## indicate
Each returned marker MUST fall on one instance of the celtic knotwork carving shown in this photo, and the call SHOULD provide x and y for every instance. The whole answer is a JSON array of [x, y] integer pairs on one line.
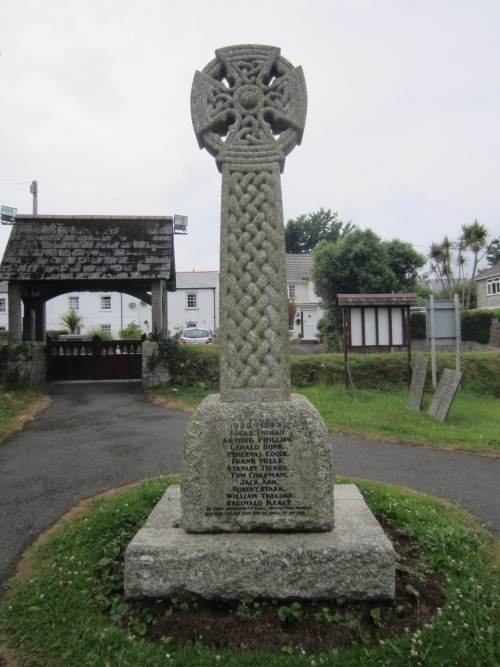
[[249, 99], [248, 107], [252, 244]]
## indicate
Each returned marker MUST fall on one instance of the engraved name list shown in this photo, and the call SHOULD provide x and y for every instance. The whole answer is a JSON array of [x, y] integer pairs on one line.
[[257, 470]]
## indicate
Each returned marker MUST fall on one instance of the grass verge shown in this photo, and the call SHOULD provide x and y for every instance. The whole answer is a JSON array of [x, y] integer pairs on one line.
[[473, 423], [57, 611], [17, 406]]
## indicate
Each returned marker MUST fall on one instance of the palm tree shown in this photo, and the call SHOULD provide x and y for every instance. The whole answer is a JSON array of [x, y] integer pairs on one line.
[[474, 238], [461, 262], [72, 321], [440, 255]]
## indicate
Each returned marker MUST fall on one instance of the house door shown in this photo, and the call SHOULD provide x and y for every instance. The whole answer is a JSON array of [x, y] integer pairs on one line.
[[309, 325]]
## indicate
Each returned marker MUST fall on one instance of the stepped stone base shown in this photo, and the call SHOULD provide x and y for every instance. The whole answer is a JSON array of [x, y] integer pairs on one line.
[[355, 560]]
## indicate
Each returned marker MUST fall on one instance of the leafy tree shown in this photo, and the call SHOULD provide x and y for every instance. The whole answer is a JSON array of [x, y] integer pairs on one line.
[[361, 263], [302, 234], [71, 321], [404, 262]]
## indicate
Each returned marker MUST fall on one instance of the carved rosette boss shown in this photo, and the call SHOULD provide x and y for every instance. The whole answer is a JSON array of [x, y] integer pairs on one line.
[[249, 108]]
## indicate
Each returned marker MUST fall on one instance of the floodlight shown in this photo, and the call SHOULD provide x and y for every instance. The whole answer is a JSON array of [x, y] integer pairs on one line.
[[8, 215], [180, 224]]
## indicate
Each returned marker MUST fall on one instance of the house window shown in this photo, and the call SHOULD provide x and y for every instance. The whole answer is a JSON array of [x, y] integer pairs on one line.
[[106, 328], [3, 305], [3, 327], [192, 300], [291, 291], [492, 286], [190, 324], [74, 303], [105, 303]]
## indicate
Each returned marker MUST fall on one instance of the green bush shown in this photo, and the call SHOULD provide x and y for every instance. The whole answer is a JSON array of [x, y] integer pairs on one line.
[[476, 326], [4, 337], [56, 333], [132, 332], [97, 331], [418, 325], [189, 365], [330, 328]]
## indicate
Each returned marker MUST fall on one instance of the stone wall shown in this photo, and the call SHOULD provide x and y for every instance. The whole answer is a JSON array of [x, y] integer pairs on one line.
[[159, 375], [28, 367]]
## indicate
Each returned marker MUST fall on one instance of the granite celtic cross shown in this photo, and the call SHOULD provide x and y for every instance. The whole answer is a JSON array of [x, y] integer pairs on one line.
[[248, 108]]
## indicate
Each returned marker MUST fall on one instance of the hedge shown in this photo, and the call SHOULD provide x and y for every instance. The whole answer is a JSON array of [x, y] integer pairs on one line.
[[475, 325], [200, 366]]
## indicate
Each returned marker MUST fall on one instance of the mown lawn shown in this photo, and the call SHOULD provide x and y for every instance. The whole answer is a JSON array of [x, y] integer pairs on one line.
[[472, 425]]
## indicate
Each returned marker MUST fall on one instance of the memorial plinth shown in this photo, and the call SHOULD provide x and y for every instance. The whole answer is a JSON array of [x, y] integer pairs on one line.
[[269, 468]]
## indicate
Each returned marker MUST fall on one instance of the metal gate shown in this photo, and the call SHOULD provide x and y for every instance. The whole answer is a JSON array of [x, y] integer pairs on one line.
[[94, 359]]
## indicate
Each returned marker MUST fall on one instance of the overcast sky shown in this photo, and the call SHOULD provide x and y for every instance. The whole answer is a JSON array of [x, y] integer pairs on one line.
[[402, 132]]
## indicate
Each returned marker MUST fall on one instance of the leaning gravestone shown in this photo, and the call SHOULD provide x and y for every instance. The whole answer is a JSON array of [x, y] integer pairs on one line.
[[257, 496], [416, 394], [445, 393]]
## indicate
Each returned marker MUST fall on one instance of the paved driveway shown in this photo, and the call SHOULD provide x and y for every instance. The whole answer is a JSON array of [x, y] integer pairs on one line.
[[97, 436]]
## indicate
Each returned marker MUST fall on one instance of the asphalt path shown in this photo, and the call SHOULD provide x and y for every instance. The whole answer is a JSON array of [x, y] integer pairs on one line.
[[98, 436]]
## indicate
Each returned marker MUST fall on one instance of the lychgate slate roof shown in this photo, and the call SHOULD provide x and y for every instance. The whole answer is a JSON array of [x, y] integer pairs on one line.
[[62, 248], [298, 266]]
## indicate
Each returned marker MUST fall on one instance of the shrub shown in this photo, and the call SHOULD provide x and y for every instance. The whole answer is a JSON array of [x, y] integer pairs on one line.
[[418, 325], [190, 365], [72, 321], [56, 333], [97, 331], [330, 328], [476, 326], [132, 332]]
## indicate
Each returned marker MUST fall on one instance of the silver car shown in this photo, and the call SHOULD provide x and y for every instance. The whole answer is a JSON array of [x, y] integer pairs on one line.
[[196, 336]]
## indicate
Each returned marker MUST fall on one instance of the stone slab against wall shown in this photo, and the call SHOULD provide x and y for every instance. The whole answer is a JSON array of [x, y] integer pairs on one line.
[[257, 466], [416, 394], [355, 560]]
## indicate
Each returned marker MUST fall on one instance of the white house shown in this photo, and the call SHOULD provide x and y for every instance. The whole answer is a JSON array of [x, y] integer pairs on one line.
[[301, 291], [195, 303], [101, 311]]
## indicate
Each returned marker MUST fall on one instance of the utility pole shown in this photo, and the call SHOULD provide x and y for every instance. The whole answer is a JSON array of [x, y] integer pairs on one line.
[[34, 192]]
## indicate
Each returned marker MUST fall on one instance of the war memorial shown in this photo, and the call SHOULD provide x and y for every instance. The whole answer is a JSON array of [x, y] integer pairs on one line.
[[257, 512]]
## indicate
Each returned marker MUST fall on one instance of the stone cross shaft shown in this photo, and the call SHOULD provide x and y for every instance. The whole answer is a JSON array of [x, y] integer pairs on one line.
[[248, 108]]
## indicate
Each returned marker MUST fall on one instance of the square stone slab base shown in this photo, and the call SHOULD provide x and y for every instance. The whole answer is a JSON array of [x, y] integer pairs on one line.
[[355, 560]]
